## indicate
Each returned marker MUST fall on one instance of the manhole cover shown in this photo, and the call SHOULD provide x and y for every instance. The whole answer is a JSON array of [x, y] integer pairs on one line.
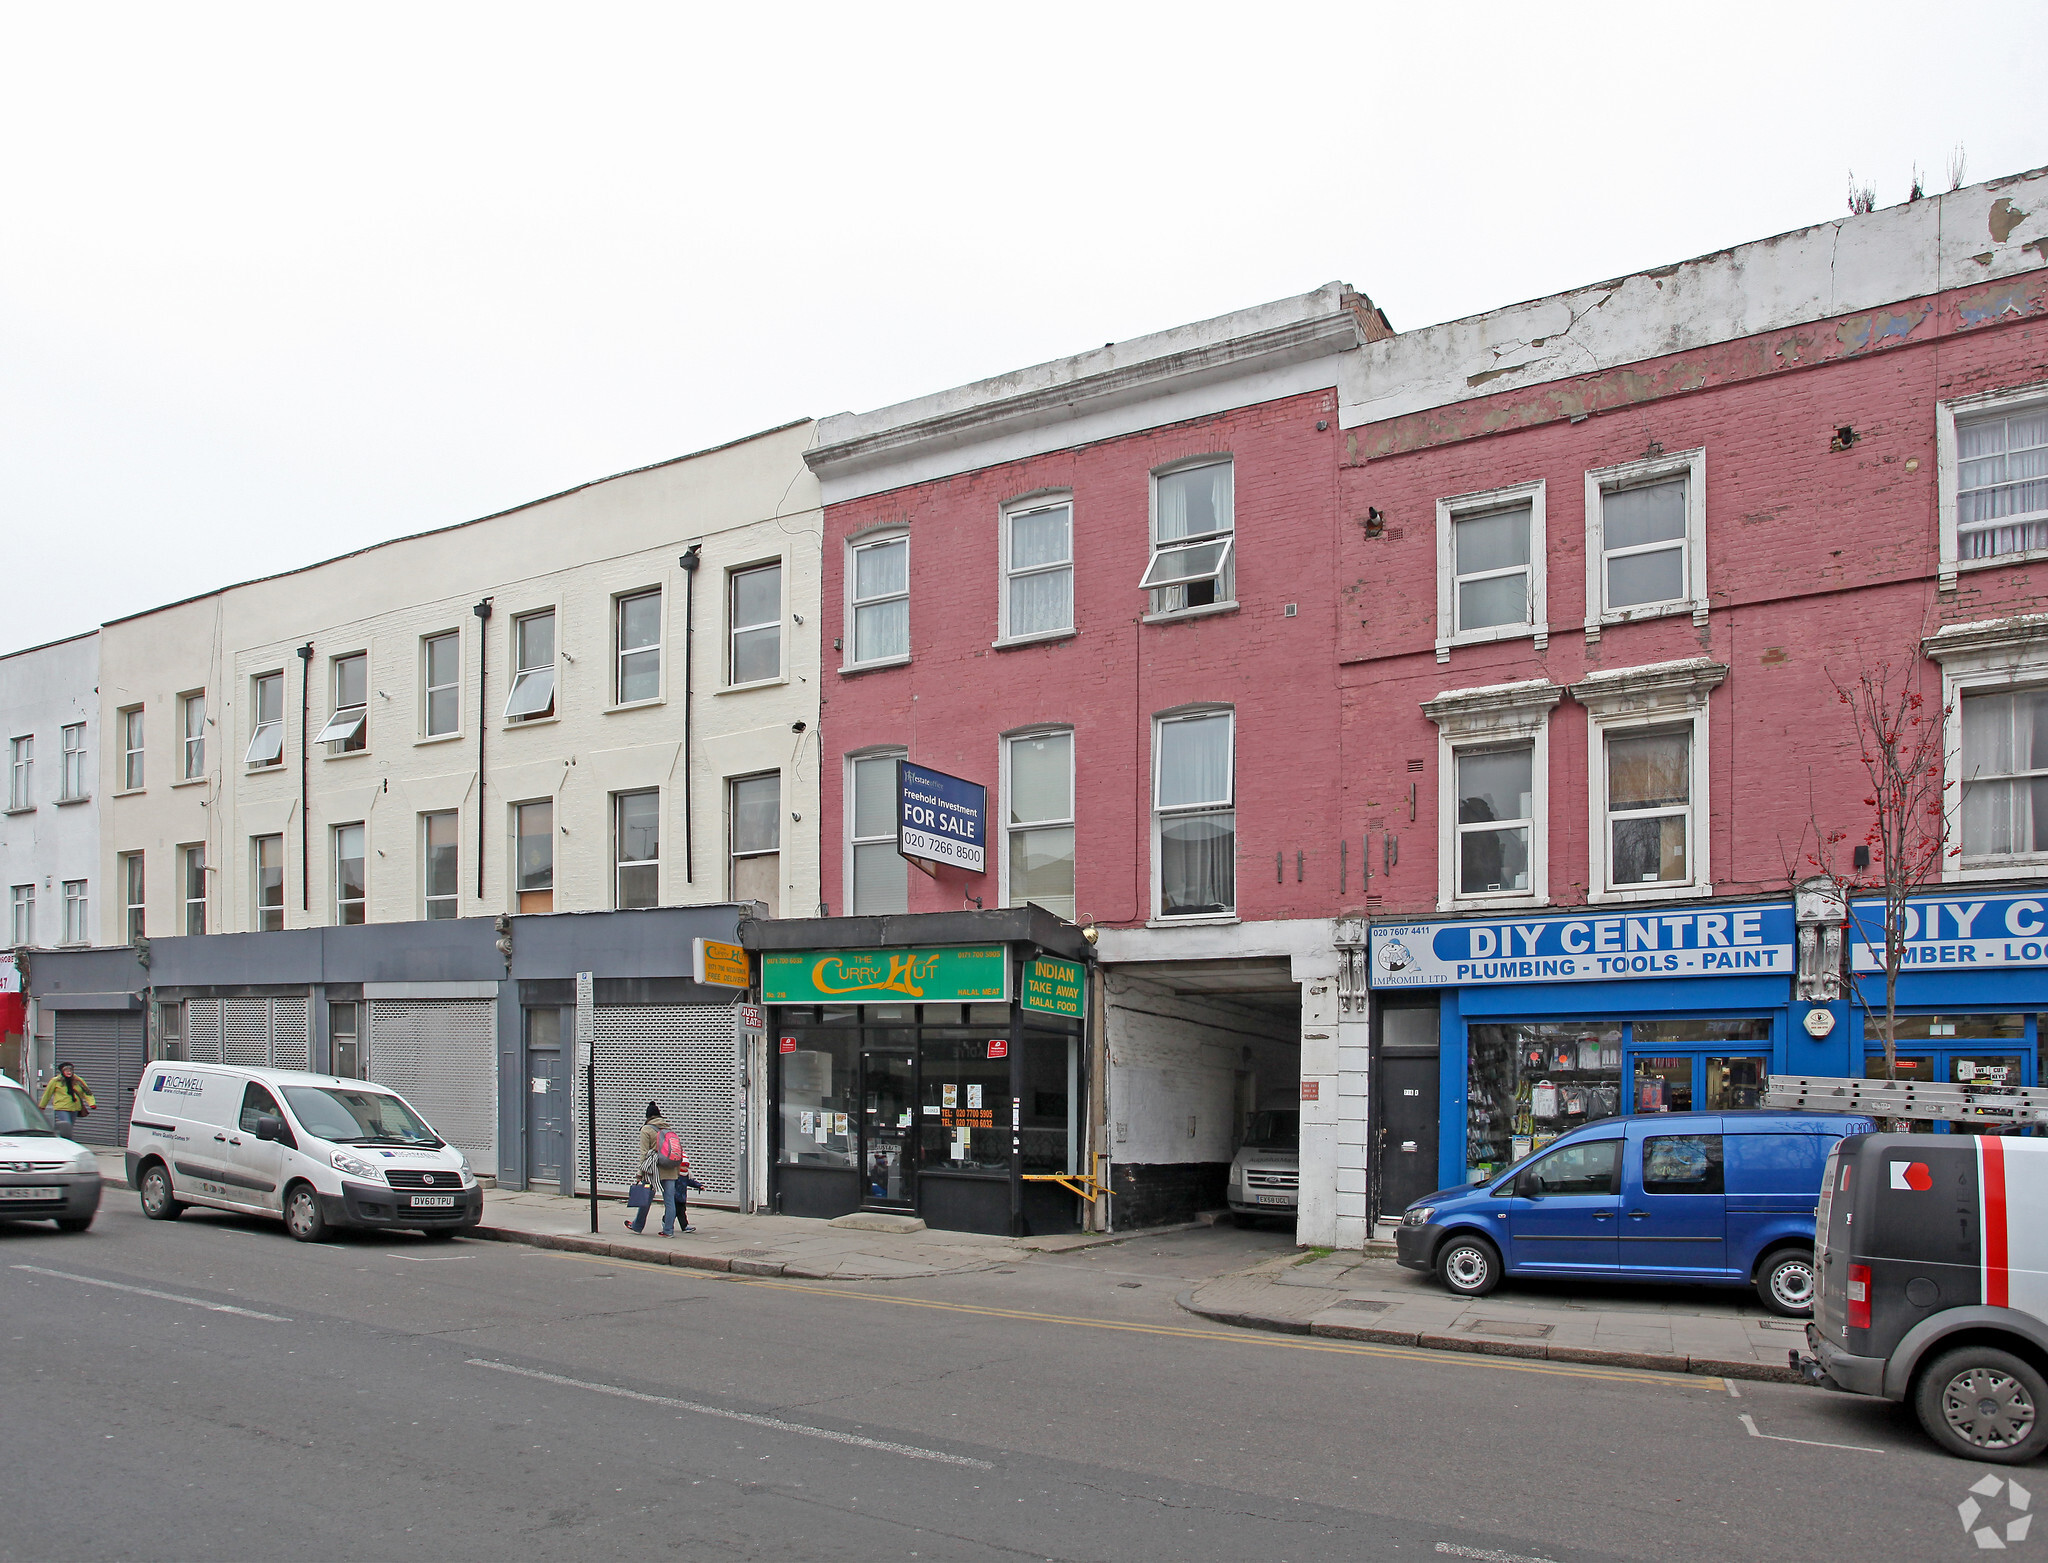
[[1513, 1328], [751, 1253], [1361, 1304]]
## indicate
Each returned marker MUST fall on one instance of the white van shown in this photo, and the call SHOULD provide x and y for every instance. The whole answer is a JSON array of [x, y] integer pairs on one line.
[[318, 1150]]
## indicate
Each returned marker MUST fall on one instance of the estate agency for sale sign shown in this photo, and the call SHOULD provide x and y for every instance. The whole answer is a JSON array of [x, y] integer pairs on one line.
[[941, 818]]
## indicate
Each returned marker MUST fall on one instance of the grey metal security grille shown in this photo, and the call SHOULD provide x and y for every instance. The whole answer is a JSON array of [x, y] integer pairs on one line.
[[245, 1033], [249, 1033], [202, 1030], [291, 1044], [687, 1059], [441, 1055]]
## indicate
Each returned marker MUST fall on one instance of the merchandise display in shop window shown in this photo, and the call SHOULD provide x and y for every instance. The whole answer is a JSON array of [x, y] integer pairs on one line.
[[1529, 1083]]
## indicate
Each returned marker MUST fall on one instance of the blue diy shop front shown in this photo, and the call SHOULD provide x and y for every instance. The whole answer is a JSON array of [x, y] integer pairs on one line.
[[1547, 1021]]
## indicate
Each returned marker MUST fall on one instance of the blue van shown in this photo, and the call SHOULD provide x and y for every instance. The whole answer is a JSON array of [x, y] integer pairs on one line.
[[1715, 1199]]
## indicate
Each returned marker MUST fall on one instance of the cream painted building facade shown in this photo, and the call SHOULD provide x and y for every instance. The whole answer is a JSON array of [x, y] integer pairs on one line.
[[607, 698]]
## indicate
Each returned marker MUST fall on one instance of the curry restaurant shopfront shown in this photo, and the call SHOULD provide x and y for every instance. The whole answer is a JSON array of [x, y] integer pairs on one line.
[[918, 1071]]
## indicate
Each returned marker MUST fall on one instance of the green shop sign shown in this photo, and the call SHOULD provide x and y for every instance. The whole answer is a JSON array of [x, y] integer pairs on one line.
[[939, 976], [1054, 987]]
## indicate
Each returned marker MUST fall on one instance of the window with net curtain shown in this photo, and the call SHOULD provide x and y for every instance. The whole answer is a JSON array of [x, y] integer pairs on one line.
[[1194, 525], [1193, 800], [881, 600], [1649, 808], [351, 888], [756, 825], [2005, 773], [636, 848], [879, 883], [1039, 561], [1041, 822], [442, 886], [2002, 483], [1495, 813]]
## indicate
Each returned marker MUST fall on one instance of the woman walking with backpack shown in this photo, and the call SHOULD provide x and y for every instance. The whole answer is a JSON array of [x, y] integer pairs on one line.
[[661, 1162]]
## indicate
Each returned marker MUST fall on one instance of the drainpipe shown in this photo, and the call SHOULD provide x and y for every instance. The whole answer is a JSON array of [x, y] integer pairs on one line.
[[305, 823], [483, 652], [689, 562]]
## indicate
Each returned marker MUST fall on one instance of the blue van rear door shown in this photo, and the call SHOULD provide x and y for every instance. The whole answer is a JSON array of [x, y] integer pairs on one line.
[[1773, 1186], [1676, 1217]]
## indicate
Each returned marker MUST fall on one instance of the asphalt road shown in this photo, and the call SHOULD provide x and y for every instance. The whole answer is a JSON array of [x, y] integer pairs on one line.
[[211, 1390]]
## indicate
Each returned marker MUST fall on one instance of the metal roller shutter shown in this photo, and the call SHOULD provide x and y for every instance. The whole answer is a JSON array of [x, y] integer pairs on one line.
[[442, 1056], [684, 1057], [249, 1033], [105, 1048], [202, 1030]]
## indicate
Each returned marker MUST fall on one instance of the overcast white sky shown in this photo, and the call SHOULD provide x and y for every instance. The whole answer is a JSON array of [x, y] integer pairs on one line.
[[279, 281]]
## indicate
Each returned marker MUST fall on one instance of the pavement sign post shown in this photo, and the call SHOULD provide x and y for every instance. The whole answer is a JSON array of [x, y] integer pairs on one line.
[[586, 1036]]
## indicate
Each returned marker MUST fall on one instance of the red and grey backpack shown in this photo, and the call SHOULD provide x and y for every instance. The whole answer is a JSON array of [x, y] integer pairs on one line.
[[668, 1146]]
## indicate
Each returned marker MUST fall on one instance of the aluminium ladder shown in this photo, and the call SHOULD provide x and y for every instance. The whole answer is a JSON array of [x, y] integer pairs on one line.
[[2006, 1106]]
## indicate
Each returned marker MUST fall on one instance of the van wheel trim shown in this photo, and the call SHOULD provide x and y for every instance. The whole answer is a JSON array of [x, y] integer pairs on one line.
[[1469, 1267], [1987, 1409], [302, 1216], [1788, 1284], [158, 1202], [1983, 1403]]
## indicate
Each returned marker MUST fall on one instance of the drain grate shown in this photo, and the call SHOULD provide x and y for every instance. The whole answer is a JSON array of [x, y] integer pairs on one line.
[[751, 1253], [1513, 1328], [1361, 1304]]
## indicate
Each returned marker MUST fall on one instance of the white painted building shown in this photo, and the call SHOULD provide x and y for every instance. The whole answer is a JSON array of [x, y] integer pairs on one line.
[[603, 699], [49, 834]]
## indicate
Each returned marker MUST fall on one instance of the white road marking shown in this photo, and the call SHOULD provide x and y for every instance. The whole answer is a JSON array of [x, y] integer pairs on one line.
[[144, 1291], [1749, 1422], [776, 1423], [1488, 1555], [429, 1259]]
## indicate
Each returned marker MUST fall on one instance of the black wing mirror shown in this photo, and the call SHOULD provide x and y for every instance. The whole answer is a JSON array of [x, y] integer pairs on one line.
[[268, 1128], [1527, 1185]]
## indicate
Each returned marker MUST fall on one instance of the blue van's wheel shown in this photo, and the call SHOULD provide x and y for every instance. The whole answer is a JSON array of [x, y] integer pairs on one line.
[[1784, 1282], [1469, 1266]]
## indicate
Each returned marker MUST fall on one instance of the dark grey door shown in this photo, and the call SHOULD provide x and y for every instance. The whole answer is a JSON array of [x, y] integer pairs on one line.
[[1408, 1117], [547, 1113]]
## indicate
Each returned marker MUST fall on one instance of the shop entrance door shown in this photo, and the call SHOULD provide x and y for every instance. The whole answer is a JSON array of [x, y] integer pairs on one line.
[[1408, 1123], [888, 1154]]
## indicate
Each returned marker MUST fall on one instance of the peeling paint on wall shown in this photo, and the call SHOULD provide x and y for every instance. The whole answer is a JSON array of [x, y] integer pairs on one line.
[[1989, 304], [2004, 218]]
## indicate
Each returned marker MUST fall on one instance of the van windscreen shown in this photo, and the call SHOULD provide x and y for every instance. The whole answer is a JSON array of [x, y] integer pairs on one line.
[[344, 1116], [1273, 1131]]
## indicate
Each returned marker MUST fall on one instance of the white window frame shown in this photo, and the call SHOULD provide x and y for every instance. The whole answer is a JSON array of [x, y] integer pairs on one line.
[[1160, 722], [427, 897], [621, 863], [1226, 564], [256, 902], [1983, 658], [134, 749], [1025, 735], [346, 731], [21, 915], [1659, 697], [855, 546], [77, 913], [734, 629], [134, 897], [621, 651], [1462, 507], [334, 869], [889, 752], [74, 779], [1948, 477], [512, 850], [1469, 721], [548, 673], [428, 688], [21, 773], [262, 731], [733, 854], [191, 743], [1688, 464], [1031, 504], [192, 855]]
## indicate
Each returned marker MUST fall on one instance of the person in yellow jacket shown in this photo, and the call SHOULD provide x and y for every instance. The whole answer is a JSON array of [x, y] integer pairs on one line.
[[68, 1097]]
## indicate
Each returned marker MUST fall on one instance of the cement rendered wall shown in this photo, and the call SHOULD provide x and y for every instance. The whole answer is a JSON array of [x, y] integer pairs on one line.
[[43, 690], [746, 504]]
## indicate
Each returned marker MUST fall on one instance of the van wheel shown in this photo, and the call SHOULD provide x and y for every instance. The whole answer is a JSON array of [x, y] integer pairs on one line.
[[158, 1203], [1469, 1266], [1984, 1404], [73, 1223], [1785, 1283], [302, 1216]]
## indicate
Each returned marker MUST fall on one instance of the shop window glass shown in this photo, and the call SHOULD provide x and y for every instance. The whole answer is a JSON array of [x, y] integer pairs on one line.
[[1735, 1083], [1663, 1085], [1528, 1083], [820, 1080], [1918, 1070], [1656, 1031], [1682, 1164], [1049, 1102], [1588, 1167], [963, 1118], [2011, 1029]]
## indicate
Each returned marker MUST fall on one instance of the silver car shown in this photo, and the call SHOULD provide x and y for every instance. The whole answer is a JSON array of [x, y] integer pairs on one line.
[[43, 1177]]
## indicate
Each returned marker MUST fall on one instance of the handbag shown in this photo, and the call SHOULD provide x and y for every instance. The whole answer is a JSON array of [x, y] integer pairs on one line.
[[639, 1197]]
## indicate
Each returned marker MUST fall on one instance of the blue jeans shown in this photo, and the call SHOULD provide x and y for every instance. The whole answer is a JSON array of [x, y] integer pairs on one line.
[[64, 1121], [668, 1210]]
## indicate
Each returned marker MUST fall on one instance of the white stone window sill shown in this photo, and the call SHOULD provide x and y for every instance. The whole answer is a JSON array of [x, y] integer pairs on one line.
[[636, 705], [848, 668], [1492, 903], [759, 683], [1540, 633], [263, 770], [1629, 894], [86, 797], [1998, 867], [1203, 920], [1012, 642], [1662, 610], [1207, 610], [351, 754], [1995, 561], [190, 781], [26, 808], [513, 726], [131, 792], [437, 738]]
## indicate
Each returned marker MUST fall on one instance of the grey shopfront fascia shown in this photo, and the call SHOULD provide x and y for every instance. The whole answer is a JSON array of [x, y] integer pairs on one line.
[[638, 958], [889, 1054]]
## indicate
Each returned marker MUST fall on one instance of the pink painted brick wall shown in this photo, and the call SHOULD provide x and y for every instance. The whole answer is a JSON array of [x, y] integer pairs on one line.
[[957, 695]]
